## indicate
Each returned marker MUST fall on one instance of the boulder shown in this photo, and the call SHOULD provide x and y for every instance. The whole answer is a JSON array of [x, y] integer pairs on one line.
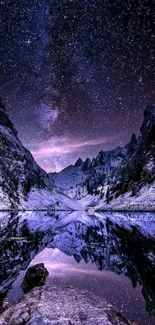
[[35, 276]]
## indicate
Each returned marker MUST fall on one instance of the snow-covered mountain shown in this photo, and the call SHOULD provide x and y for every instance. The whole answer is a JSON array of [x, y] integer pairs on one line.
[[23, 184], [86, 177], [123, 178]]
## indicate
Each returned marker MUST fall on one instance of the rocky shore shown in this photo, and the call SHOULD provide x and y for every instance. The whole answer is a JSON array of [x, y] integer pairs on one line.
[[62, 306]]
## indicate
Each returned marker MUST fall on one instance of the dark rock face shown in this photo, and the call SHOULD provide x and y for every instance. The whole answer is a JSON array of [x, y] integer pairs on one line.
[[4, 119], [23, 184], [4, 303], [35, 276], [131, 146], [18, 170], [86, 165], [149, 120], [133, 139], [79, 162], [139, 168]]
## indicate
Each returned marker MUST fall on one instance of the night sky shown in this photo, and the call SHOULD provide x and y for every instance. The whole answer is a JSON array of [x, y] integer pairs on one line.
[[76, 75]]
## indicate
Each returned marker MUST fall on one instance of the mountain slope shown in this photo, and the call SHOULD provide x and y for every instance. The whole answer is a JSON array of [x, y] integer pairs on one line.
[[85, 177], [23, 184], [123, 178]]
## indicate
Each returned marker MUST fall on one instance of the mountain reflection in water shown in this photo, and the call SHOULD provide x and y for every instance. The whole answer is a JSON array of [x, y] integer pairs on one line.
[[121, 245]]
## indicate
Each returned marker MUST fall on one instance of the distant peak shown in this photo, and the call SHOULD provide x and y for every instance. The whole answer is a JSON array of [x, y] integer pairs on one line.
[[86, 164], [88, 160], [79, 162]]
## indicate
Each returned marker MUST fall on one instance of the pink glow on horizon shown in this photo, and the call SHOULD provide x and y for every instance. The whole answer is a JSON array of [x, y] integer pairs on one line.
[[61, 146], [56, 153]]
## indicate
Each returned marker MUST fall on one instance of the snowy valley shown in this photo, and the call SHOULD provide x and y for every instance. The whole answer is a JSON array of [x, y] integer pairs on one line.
[[120, 179]]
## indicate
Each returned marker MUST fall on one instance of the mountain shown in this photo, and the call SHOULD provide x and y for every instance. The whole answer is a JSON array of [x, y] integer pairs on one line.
[[79, 179], [23, 184], [123, 178]]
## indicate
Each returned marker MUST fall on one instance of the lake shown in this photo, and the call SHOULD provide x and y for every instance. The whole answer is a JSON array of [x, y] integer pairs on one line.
[[111, 254]]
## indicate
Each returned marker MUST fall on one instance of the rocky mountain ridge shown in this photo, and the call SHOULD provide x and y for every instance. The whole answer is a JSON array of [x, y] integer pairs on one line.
[[23, 184], [123, 178]]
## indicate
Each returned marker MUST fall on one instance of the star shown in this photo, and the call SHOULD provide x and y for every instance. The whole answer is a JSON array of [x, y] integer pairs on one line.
[[77, 69], [28, 42]]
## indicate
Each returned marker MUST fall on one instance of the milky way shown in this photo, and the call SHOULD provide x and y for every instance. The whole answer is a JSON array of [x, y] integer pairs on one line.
[[76, 75]]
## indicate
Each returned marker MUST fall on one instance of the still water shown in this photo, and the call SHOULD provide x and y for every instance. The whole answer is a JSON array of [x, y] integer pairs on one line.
[[110, 254]]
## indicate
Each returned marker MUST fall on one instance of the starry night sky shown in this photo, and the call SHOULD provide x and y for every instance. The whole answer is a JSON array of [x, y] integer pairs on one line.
[[76, 75]]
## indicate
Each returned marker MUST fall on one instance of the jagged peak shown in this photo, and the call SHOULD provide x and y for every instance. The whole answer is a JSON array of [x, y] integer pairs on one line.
[[133, 139], [88, 160], [78, 163], [86, 164], [149, 112], [4, 118], [100, 155], [131, 146]]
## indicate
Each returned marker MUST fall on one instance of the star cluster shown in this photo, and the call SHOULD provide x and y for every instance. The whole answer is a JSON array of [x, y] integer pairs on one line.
[[79, 70]]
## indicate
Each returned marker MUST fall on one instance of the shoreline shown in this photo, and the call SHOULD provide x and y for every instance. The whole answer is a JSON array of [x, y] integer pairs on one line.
[[63, 306]]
